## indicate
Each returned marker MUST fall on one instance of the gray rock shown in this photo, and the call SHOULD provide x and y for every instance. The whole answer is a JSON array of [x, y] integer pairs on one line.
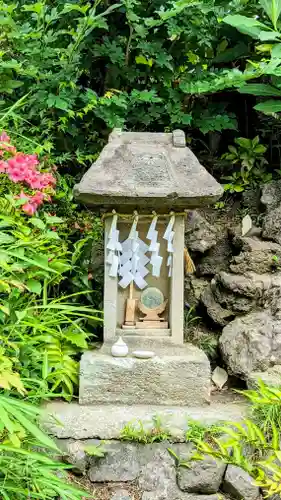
[[182, 496], [271, 195], [193, 289], [251, 343], [201, 477], [230, 300], [257, 256], [239, 484], [66, 420], [169, 379], [199, 235], [251, 244], [73, 452], [216, 259], [120, 464], [219, 315], [147, 169], [250, 285], [121, 494], [272, 225], [271, 377], [158, 474]]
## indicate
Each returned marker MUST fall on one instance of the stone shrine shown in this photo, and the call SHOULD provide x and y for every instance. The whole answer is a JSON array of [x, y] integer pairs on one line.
[[143, 183]]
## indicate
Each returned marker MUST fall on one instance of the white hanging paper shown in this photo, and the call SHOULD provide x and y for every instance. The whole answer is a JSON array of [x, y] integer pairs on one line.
[[126, 268], [169, 228], [125, 256], [169, 236], [133, 259], [126, 280], [133, 233], [113, 245], [139, 281], [152, 227], [114, 266], [109, 258]]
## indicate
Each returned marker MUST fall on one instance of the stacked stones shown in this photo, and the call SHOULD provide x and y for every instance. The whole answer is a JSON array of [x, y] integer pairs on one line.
[[150, 471], [238, 283]]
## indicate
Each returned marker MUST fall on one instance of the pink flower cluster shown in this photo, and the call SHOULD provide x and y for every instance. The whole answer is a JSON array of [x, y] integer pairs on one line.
[[22, 168]]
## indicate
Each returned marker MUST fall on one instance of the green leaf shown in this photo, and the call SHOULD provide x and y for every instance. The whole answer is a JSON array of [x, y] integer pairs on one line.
[[259, 89], [273, 10], [144, 60], [34, 286], [36, 222], [246, 25], [269, 107], [6, 238], [269, 35], [276, 51], [53, 219]]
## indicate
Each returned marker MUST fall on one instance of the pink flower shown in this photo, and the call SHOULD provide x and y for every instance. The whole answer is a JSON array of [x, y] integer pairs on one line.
[[29, 208], [3, 166], [37, 198], [4, 137]]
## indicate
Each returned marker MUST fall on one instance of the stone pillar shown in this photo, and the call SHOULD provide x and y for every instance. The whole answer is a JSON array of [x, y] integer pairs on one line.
[[110, 293], [177, 283]]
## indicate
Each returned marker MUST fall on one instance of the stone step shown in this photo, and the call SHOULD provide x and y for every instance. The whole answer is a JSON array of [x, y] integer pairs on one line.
[[168, 379], [71, 420]]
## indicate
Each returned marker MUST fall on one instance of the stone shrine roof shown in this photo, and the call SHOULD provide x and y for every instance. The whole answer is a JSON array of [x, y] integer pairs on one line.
[[144, 169]]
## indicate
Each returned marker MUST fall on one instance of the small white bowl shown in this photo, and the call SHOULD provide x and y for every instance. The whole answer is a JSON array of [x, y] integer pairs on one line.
[[143, 354]]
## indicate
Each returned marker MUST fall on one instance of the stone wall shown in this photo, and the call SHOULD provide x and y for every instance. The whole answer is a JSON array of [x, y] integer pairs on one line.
[[237, 284], [154, 472]]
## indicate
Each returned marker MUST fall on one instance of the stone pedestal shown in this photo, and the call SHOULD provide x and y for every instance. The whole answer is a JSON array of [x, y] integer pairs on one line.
[[173, 379]]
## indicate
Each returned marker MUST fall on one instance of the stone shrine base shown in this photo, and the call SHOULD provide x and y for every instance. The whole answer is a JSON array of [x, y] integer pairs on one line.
[[147, 472], [172, 378]]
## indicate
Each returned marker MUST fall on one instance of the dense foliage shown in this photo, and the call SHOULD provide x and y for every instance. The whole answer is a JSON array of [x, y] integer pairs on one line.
[[69, 73]]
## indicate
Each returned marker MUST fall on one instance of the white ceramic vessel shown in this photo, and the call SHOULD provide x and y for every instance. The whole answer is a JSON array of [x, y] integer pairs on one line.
[[119, 349], [144, 354]]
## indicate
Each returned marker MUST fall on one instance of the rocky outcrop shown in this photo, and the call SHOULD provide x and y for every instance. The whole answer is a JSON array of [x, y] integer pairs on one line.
[[271, 198], [218, 314], [216, 259], [199, 235], [201, 477], [239, 484], [251, 343]]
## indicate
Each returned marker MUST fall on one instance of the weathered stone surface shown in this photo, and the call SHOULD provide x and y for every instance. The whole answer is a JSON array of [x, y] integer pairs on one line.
[[252, 244], [230, 300], [65, 420], [216, 259], [272, 225], [73, 451], [120, 464], [259, 261], [271, 195], [121, 494], [199, 234], [201, 477], [158, 473], [239, 484], [251, 284], [217, 313], [169, 380], [251, 343], [271, 377], [193, 290], [147, 169], [182, 496]]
